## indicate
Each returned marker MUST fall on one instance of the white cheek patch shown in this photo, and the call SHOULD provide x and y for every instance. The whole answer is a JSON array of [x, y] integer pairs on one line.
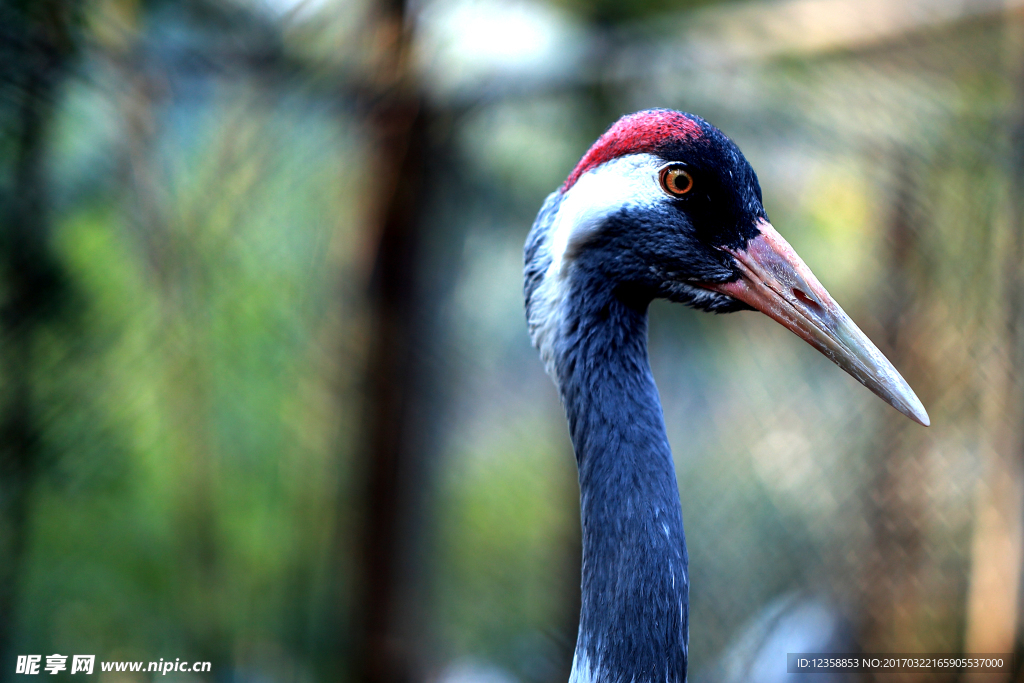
[[628, 181]]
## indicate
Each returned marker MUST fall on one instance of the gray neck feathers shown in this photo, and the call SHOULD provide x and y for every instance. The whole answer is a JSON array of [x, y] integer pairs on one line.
[[634, 616]]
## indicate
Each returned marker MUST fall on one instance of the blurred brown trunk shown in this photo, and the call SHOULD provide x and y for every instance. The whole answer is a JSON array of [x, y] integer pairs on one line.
[[383, 650], [892, 585], [383, 657], [996, 552], [32, 281]]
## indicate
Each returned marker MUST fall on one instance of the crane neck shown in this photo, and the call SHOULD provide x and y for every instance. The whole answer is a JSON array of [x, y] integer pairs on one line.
[[634, 608]]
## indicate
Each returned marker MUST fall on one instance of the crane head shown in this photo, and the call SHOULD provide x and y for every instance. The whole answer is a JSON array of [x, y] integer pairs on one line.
[[665, 205]]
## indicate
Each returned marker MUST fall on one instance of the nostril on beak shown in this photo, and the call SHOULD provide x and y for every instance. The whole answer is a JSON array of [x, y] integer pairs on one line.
[[806, 300]]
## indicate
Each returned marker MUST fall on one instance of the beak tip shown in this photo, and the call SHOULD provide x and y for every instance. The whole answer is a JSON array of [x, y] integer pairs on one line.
[[920, 418], [913, 409]]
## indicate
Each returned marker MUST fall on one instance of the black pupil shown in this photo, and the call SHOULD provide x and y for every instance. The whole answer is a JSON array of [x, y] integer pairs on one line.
[[680, 181]]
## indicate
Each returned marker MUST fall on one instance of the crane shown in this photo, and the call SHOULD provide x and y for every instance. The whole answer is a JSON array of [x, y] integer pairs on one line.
[[662, 205]]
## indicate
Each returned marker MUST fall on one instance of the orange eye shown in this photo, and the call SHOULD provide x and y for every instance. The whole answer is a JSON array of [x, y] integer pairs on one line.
[[676, 181]]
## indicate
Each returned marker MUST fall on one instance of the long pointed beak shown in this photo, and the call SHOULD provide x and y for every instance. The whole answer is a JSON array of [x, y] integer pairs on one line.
[[777, 282]]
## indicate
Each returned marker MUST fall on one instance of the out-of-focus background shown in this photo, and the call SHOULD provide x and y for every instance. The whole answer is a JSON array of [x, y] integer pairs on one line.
[[266, 394]]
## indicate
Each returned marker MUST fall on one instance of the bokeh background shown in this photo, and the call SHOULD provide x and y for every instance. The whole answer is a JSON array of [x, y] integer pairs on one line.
[[266, 393]]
